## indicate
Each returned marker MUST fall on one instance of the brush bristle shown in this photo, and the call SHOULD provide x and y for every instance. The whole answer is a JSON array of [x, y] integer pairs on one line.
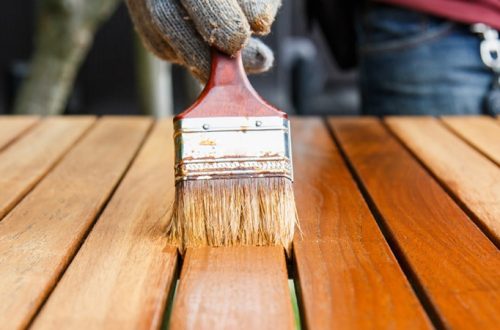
[[227, 212]]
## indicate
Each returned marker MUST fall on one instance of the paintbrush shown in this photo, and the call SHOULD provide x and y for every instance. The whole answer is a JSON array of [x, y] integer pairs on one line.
[[233, 166]]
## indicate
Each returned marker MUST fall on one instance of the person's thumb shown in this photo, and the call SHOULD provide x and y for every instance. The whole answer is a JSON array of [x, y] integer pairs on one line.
[[257, 57]]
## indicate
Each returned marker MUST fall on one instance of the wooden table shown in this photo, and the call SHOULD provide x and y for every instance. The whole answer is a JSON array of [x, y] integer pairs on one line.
[[400, 229]]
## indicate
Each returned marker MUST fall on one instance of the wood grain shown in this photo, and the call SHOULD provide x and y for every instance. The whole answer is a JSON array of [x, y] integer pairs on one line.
[[470, 177], [122, 274], [233, 288], [455, 267], [11, 127], [347, 274], [41, 235], [26, 161], [481, 132]]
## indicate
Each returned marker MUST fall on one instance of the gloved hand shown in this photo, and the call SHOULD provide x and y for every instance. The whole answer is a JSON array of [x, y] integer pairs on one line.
[[182, 31]]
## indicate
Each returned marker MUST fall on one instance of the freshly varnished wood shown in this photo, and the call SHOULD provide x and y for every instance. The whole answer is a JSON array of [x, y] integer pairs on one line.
[[481, 132], [122, 274], [11, 127], [472, 178], [347, 274], [41, 235], [455, 266], [233, 288], [26, 162]]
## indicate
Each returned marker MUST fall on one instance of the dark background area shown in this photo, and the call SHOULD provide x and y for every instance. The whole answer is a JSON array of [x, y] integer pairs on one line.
[[304, 79]]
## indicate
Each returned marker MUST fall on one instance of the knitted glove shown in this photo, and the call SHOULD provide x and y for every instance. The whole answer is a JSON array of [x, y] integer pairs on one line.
[[182, 31]]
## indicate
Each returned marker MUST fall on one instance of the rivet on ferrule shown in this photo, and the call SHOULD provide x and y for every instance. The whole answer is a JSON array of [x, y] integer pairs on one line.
[[232, 147]]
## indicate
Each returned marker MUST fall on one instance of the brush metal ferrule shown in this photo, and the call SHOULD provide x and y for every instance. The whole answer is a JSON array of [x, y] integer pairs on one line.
[[232, 147]]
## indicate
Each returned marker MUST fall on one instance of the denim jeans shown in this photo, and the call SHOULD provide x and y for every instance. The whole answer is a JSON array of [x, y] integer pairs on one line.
[[416, 64]]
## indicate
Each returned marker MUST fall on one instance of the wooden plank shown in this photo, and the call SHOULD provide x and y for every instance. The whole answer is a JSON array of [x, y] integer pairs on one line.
[[454, 266], [348, 277], [468, 175], [26, 161], [481, 132], [11, 127], [233, 288], [122, 274], [41, 235]]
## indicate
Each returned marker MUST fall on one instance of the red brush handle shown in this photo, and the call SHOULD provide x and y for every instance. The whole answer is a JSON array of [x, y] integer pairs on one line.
[[228, 92]]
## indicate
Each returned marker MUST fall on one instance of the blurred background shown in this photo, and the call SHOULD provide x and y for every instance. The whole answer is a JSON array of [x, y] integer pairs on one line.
[[119, 77]]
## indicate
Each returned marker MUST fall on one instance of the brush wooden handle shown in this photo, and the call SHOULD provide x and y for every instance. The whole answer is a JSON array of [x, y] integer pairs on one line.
[[229, 93]]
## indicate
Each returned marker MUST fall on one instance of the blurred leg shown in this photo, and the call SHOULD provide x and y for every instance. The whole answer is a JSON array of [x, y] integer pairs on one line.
[[415, 64]]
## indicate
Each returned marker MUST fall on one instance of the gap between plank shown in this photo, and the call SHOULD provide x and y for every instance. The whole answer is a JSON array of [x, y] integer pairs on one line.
[[298, 296], [55, 162], [295, 304], [21, 134], [470, 214], [464, 139], [96, 218], [401, 259], [289, 259], [170, 300], [167, 315]]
